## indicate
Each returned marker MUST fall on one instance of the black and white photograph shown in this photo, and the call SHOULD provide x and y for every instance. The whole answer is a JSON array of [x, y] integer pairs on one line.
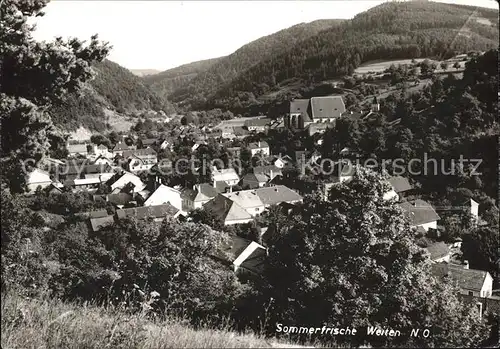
[[249, 174]]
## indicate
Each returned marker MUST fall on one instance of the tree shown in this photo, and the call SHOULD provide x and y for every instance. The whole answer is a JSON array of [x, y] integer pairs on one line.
[[456, 65], [444, 65], [34, 76], [352, 261]]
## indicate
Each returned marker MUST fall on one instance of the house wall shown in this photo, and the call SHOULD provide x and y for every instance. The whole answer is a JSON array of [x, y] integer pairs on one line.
[[238, 221], [264, 151], [429, 225], [487, 288]]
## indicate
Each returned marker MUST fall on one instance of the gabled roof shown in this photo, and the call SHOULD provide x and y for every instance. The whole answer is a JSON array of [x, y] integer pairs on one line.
[[148, 141], [470, 279], [255, 179], [120, 146], [160, 194], [206, 192], [257, 122], [438, 250], [252, 258], [77, 148], [226, 174], [400, 184], [277, 194], [126, 178], [101, 222], [96, 214], [99, 168], [419, 212], [227, 209], [240, 131], [102, 147], [147, 152], [246, 199], [156, 211], [269, 170], [301, 106], [119, 199], [258, 145], [327, 107]]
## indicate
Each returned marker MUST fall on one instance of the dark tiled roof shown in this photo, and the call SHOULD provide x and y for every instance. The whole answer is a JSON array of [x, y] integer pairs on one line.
[[470, 279], [101, 222], [438, 250], [227, 209], [256, 145], [327, 107], [119, 199], [102, 168], [121, 146], [97, 214], [258, 122], [301, 106], [147, 211], [419, 212], [400, 184], [277, 194], [240, 131]]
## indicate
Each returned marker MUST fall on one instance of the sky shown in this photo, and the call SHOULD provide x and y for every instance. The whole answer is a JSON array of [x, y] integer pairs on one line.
[[165, 34]]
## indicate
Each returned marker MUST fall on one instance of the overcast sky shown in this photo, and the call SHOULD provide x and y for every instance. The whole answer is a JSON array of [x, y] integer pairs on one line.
[[165, 34]]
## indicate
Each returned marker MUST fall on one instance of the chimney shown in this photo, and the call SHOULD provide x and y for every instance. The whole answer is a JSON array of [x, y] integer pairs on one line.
[[466, 264]]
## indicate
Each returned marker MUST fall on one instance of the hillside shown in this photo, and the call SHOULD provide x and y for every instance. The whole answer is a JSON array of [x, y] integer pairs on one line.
[[388, 31], [28, 323], [225, 69], [114, 88], [170, 80]]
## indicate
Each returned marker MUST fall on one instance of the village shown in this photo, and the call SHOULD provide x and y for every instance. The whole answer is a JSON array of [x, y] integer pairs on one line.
[[128, 177]]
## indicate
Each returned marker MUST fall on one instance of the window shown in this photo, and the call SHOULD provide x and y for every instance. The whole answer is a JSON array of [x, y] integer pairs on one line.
[[471, 293]]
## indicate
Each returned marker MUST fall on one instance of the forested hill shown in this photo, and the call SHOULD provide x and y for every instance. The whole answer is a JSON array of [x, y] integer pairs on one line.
[[224, 69], [170, 80], [388, 31], [114, 88]]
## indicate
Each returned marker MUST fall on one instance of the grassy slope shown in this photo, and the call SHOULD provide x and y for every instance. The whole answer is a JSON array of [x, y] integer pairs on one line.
[[28, 323]]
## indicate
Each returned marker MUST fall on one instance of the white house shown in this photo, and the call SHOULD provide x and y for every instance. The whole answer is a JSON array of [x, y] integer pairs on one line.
[[165, 195], [472, 282], [248, 200], [101, 150], [127, 178], [37, 178], [227, 175], [195, 198], [421, 214], [259, 148]]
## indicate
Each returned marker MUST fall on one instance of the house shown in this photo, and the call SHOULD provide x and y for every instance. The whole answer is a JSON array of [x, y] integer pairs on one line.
[[101, 150], [280, 161], [254, 180], [248, 200], [228, 210], [421, 214], [119, 148], [37, 178], [77, 149], [195, 198], [319, 128], [399, 185], [147, 142], [250, 259], [102, 171], [234, 151], [101, 160], [439, 252], [257, 125], [240, 133], [165, 195], [119, 199], [166, 145], [125, 179], [277, 194], [140, 159], [99, 223], [315, 110], [260, 147], [472, 282], [157, 213], [227, 176]]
